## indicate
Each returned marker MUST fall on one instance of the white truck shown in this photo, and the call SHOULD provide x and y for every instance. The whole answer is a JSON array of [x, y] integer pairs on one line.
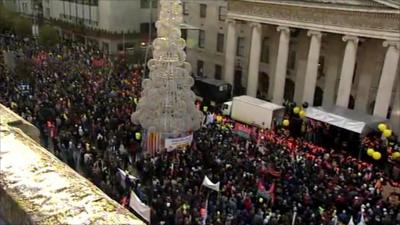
[[253, 111]]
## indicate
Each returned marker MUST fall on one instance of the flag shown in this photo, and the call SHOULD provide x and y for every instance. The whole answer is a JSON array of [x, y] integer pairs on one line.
[[208, 183], [203, 213], [362, 220], [273, 172], [153, 141], [122, 176], [140, 208], [351, 222], [335, 218], [271, 192], [294, 217], [261, 189]]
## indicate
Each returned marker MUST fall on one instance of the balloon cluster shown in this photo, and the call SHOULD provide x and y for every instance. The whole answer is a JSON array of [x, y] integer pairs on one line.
[[285, 122], [374, 154], [395, 155], [299, 111], [385, 130]]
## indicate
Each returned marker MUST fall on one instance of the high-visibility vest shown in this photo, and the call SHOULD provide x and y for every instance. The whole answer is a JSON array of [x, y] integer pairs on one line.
[[138, 136]]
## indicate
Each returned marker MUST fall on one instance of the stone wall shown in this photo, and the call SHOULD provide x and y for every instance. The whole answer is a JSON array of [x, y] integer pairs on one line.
[[37, 188]]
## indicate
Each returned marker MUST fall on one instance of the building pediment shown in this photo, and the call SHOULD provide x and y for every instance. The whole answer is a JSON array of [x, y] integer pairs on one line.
[[389, 3], [364, 4], [378, 21]]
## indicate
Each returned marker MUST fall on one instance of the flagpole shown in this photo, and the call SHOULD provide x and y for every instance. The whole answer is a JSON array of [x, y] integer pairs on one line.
[[294, 215]]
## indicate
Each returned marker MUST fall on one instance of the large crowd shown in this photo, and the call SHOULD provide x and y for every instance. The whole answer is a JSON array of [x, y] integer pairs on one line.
[[267, 181], [82, 100]]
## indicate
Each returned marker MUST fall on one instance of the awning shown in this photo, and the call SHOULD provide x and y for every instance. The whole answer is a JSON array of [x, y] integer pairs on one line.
[[348, 119]]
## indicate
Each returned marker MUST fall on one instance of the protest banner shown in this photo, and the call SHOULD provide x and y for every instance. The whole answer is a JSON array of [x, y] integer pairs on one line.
[[178, 143]]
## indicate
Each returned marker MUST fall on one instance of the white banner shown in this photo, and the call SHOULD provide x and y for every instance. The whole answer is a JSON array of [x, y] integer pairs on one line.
[[175, 143], [140, 208], [208, 183], [122, 176]]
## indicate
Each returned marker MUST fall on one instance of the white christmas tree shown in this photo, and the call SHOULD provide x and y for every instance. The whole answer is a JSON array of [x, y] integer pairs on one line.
[[167, 102]]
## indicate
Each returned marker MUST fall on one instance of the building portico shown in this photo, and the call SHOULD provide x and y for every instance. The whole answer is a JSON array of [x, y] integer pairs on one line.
[[319, 48]]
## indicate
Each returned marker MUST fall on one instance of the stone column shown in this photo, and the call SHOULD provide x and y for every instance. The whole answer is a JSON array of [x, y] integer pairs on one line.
[[312, 66], [332, 60], [281, 65], [302, 48], [230, 52], [273, 53], [395, 116], [388, 77], [254, 63], [346, 77]]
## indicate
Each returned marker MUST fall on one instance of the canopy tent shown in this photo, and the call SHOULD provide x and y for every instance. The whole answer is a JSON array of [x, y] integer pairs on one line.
[[348, 119]]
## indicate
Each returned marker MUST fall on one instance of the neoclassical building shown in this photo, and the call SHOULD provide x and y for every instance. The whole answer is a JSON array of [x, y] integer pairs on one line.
[[324, 52]]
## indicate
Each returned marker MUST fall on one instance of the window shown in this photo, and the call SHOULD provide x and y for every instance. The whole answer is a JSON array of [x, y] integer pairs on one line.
[[220, 42], [292, 56], [218, 72], [24, 7], [184, 34], [88, 2], [203, 10], [106, 47], [222, 13], [47, 12], [321, 66], [144, 28], [144, 4], [292, 60], [240, 47], [202, 37], [155, 4], [200, 68], [265, 50], [185, 8]]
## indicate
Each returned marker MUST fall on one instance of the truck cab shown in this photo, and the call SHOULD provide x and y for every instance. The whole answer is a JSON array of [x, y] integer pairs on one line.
[[226, 108], [212, 91]]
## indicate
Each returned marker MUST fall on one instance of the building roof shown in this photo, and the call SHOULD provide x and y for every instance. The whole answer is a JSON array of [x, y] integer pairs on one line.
[[391, 3], [379, 4], [369, 3], [259, 102], [348, 119], [211, 81]]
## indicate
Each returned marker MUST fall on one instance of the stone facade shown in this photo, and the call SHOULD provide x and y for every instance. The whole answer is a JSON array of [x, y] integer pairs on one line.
[[323, 52], [115, 17]]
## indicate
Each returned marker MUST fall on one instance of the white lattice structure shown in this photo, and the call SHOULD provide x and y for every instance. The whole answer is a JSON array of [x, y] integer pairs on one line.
[[167, 103]]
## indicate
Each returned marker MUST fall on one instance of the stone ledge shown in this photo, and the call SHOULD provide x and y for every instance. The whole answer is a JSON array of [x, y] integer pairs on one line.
[[37, 188], [12, 119]]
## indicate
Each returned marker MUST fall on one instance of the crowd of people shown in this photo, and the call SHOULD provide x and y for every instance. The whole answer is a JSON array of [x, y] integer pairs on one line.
[[274, 180], [82, 100]]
